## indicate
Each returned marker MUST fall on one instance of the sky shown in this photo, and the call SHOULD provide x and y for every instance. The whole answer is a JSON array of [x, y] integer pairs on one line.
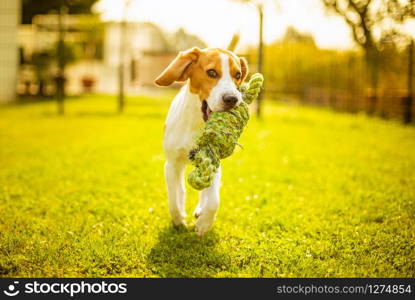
[[215, 21]]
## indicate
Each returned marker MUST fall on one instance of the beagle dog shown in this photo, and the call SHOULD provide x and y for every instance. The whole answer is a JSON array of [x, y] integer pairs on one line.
[[212, 78]]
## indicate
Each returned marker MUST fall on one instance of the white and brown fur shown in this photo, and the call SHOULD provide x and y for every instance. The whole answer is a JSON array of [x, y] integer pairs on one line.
[[212, 77]]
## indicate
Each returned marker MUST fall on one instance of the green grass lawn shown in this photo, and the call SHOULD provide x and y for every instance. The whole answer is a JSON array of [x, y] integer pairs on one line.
[[313, 193]]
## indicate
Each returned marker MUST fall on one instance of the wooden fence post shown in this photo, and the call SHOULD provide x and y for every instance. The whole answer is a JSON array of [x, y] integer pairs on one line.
[[409, 99], [60, 78]]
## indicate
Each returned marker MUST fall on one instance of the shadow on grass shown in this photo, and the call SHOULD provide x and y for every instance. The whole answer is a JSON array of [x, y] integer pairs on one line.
[[180, 253], [115, 114], [34, 100], [103, 114]]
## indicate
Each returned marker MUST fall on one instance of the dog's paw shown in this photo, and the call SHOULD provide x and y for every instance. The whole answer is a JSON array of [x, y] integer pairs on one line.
[[179, 223], [204, 224], [197, 212]]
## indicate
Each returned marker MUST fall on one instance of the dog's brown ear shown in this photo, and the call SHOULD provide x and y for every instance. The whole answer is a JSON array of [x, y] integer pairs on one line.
[[178, 69], [244, 68]]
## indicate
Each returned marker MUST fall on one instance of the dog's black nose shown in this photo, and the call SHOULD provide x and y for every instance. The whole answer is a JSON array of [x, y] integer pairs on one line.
[[229, 99]]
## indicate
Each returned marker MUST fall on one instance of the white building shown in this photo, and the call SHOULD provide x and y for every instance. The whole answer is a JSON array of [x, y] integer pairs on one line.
[[147, 51], [9, 22]]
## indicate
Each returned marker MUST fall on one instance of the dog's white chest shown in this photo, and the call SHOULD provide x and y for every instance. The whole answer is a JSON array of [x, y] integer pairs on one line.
[[183, 123]]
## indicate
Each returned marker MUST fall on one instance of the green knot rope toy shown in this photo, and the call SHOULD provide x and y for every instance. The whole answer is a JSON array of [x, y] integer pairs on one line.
[[220, 136]]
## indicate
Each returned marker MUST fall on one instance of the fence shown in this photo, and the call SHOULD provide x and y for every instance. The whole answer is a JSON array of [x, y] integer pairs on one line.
[[340, 80], [391, 104]]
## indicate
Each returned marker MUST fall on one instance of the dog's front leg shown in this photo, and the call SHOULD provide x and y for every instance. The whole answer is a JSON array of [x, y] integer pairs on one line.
[[208, 205], [174, 172]]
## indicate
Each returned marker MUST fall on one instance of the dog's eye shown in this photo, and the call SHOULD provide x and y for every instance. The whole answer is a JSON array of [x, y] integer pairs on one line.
[[238, 75], [212, 73]]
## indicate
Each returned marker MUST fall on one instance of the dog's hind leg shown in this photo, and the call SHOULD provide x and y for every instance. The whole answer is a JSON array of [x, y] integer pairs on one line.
[[209, 204], [174, 172]]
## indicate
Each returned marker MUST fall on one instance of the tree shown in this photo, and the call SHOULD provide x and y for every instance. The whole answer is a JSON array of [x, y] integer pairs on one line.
[[365, 17], [30, 8]]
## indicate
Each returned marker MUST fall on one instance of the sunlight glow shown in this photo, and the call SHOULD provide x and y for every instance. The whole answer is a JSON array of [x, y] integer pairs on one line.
[[215, 21]]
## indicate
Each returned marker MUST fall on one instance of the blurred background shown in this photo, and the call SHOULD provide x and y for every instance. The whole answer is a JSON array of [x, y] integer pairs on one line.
[[323, 185], [349, 55]]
